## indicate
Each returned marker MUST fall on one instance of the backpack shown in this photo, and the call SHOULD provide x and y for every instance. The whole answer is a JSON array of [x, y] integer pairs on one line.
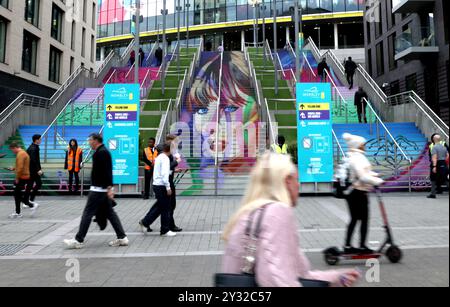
[[341, 183]]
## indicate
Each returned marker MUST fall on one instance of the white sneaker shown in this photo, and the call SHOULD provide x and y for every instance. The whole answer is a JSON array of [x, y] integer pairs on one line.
[[169, 234], [143, 228], [35, 204], [119, 242], [73, 244], [25, 206], [15, 216], [33, 210]]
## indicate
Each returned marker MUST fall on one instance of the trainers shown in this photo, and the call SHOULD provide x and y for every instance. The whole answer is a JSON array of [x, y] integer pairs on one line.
[[73, 244], [350, 250], [119, 242], [143, 228], [176, 229], [34, 208], [168, 234], [365, 250], [431, 196], [25, 206], [15, 216], [35, 204]]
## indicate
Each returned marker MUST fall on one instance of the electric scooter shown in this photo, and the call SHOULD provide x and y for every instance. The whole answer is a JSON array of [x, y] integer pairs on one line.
[[333, 254]]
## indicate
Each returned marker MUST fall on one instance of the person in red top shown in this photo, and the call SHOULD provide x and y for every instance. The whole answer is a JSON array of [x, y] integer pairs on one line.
[[74, 158]]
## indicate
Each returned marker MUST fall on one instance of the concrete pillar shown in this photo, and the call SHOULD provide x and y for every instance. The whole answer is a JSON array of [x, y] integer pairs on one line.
[[288, 38], [242, 40], [336, 36], [102, 53]]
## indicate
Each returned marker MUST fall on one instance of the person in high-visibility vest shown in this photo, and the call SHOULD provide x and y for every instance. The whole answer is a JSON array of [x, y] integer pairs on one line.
[[148, 157], [281, 147], [74, 158]]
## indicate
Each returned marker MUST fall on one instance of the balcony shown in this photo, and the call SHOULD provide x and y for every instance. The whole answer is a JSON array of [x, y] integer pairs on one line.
[[413, 46], [412, 6]]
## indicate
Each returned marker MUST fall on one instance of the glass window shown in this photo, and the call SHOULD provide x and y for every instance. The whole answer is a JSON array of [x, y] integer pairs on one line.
[[57, 23], [351, 5], [411, 82], [231, 11], [391, 46], [241, 10], [32, 12], [72, 65], [380, 59], [92, 48], [3, 28], [29, 52], [85, 9], [73, 39], [94, 13], [369, 62], [395, 87], [4, 3], [338, 5], [54, 65], [83, 42], [326, 6]]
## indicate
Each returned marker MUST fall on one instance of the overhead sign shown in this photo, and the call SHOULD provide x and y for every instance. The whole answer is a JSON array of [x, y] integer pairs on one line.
[[314, 132], [121, 131]]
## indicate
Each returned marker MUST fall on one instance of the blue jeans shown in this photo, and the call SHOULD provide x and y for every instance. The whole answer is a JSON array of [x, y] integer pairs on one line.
[[161, 207]]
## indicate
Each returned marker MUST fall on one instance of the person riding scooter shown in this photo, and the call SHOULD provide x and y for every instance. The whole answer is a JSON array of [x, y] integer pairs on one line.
[[363, 180]]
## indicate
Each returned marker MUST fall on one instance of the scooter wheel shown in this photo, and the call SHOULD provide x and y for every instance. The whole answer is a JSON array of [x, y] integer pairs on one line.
[[394, 254], [332, 255]]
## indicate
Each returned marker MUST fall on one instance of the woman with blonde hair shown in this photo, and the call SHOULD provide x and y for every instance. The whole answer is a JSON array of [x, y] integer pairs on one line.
[[278, 260]]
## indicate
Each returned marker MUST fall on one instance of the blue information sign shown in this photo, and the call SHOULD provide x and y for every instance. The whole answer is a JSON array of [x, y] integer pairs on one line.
[[121, 131], [314, 132]]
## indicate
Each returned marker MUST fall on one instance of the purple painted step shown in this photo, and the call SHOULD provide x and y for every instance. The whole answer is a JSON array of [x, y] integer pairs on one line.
[[88, 95]]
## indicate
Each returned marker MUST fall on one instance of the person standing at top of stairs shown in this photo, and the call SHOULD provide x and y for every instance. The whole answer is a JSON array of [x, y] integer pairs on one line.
[[35, 183], [350, 69]]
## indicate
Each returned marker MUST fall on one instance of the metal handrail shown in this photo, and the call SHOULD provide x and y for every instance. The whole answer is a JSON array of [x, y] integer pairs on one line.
[[181, 89], [105, 63], [438, 122], [387, 131], [130, 70], [270, 51], [56, 118], [152, 51], [127, 50], [339, 144], [270, 122], [145, 79], [254, 81], [281, 66], [334, 85], [160, 132], [66, 84], [372, 83], [309, 65]]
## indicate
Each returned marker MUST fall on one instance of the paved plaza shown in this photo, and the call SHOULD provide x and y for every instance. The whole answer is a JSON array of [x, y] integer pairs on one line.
[[32, 253]]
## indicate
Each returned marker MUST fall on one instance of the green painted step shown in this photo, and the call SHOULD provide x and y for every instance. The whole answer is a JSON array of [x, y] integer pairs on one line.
[[156, 105], [286, 119], [149, 121]]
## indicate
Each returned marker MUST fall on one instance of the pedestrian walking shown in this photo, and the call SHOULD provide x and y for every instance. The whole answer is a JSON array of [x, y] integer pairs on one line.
[[361, 104], [132, 57], [36, 173], [22, 179], [148, 157], [362, 179], [141, 57], [274, 255], [73, 160], [321, 68], [439, 169], [100, 197], [350, 69], [162, 190], [159, 55]]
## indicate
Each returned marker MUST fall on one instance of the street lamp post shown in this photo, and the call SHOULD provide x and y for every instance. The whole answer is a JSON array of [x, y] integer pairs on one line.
[[298, 31], [178, 37], [136, 42], [263, 9], [163, 81], [188, 5], [275, 42], [255, 4]]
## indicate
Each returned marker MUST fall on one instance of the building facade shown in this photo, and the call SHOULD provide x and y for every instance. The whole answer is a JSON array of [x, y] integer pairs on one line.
[[338, 22], [406, 46], [42, 42]]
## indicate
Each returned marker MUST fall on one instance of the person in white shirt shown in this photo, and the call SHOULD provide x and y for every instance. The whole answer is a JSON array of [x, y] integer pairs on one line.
[[163, 192], [363, 180]]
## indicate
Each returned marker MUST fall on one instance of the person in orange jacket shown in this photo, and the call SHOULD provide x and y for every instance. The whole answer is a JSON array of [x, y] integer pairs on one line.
[[148, 157], [74, 158]]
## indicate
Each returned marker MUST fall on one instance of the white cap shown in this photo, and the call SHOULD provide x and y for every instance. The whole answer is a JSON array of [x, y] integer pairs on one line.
[[354, 141]]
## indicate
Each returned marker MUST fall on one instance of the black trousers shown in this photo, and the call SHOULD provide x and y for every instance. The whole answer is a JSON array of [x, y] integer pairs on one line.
[[94, 202], [173, 205], [148, 175], [350, 79], [439, 178], [362, 112], [77, 181], [358, 204], [33, 187], [162, 207], [20, 196]]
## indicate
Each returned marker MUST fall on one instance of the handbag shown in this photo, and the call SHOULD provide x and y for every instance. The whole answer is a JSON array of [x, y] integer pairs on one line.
[[247, 278]]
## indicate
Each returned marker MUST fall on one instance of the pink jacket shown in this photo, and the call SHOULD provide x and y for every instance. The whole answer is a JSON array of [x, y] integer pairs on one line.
[[279, 259]]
